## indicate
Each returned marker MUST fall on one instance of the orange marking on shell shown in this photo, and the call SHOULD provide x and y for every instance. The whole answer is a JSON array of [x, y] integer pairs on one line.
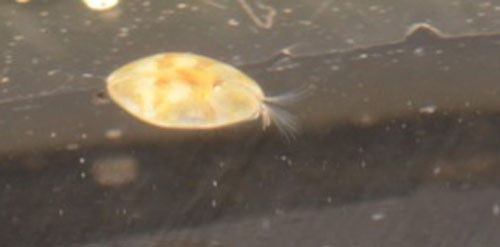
[[201, 78], [159, 101], [204, 64], [166, 61], [161, 82]]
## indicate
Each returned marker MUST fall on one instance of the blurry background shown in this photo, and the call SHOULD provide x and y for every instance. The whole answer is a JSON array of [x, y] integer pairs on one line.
[[399, 145]]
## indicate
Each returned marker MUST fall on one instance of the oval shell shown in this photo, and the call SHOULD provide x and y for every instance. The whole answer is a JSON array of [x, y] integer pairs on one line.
[[183, 90]]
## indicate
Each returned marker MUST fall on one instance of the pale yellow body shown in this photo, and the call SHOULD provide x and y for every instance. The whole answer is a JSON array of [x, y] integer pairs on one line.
[[188, 91]]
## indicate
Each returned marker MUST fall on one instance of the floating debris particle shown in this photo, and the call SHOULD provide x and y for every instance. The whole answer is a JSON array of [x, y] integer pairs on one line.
[[114, 133], [430, 109], [496, 209], [419, 51], [101, 5], [233, 22], [378, 216], [115, 171], [72, 146], [181, 5]]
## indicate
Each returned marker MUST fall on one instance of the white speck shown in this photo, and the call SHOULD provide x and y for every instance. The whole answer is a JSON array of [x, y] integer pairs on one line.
[[286, 159], [181, 5], [215, 183], [329, 199], [44, 13], [214, 203], [84, 136], [115, 171], [53, 134], [60, 212], [437, 170], [363, 56], [445, 68], [495, 209], [363, 164], [335, 67], [279, 212], [287, 11], [214, 242], [72, 146], [114, 133], [350, 41], [83, 175], [124, 32], [430, 109], [365, 119], [419, 51], [378, 216], [81, 160], [265, 224], [51, 72], [5, 79], [233, 22], [101, 5], [18, 37]]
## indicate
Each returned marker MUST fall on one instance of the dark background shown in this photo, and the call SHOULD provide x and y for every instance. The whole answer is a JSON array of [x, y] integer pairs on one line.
[[399, 145]]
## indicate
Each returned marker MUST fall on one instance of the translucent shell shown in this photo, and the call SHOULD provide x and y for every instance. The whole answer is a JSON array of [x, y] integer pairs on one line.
[[188, 91]]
